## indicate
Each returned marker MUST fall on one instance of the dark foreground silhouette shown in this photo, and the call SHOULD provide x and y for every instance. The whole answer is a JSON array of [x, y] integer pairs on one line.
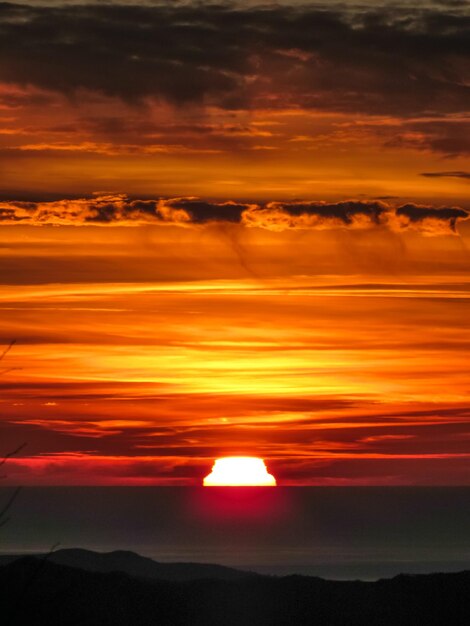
[[41, 592]]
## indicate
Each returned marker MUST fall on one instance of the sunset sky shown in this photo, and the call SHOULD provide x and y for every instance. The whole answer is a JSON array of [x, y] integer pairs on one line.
[[235, 229]]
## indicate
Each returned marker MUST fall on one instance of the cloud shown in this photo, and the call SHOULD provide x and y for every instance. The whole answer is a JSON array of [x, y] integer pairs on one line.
[[429, 220], [106, 209], [110, 149], [13, 97], [456, 174], [320, 215], [280, 216], [450, 137], [399, 61], [119, 210], [201, 211]]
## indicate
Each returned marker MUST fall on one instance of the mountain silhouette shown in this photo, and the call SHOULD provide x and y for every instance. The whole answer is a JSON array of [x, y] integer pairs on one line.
[[44, 593], [136, 565]]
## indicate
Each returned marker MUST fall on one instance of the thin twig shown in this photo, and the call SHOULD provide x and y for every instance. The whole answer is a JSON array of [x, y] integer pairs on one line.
[[7, 506], [12, 453], [7, 349]]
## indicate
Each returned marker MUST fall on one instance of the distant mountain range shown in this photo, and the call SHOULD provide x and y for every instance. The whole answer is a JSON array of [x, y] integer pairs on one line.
[[42, 592], [135, 565]]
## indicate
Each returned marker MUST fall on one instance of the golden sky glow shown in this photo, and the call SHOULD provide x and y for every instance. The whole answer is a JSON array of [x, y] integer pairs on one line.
[[235, 231]]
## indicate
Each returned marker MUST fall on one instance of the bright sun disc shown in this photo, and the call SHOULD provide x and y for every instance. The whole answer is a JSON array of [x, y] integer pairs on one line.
[[239, 471]]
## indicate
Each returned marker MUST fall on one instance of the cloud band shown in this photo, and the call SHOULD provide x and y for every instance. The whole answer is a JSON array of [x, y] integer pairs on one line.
[[119, 210]]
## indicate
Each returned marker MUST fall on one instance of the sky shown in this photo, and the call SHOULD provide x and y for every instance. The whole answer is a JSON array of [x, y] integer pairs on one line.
[[235, 229]]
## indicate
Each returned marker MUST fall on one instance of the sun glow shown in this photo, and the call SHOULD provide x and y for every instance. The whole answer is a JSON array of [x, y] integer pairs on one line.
[[239, 471]]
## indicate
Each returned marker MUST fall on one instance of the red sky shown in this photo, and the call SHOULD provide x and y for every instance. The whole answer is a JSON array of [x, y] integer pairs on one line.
[[235, 231]]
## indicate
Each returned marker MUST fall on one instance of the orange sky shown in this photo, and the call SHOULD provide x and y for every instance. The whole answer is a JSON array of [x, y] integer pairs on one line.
[[144, 352], [235, 230]]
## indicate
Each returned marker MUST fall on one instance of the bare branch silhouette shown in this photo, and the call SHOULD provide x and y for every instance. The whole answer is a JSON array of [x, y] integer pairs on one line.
[[7, 506], [7, 349], [10, 369], [3, 355], [10, 454], [4, 519]]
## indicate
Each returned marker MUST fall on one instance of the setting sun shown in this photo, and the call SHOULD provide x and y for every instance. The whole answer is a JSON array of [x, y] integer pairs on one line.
[[239, 471]]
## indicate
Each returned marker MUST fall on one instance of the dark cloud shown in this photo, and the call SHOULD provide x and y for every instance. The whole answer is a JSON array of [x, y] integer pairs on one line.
[[280, 216], [456, 174], [106, 209], [275, 216], [119, 209], [318, 214], [201, 211], [112, 125], [421, 215], [450, 137], [399, 61]]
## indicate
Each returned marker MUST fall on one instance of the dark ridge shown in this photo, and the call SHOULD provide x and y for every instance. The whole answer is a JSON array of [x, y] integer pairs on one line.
[[136, 565], [39, 592]]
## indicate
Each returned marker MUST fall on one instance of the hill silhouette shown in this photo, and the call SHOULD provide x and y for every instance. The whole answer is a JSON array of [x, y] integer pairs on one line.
[[136, 565], [34, 591]]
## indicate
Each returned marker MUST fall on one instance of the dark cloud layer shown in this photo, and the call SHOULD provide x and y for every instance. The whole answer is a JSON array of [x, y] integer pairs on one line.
[[404, 62], [275, 216]]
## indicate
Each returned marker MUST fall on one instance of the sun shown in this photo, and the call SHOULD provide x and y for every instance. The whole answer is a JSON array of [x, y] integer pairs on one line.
[[239, 471]]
